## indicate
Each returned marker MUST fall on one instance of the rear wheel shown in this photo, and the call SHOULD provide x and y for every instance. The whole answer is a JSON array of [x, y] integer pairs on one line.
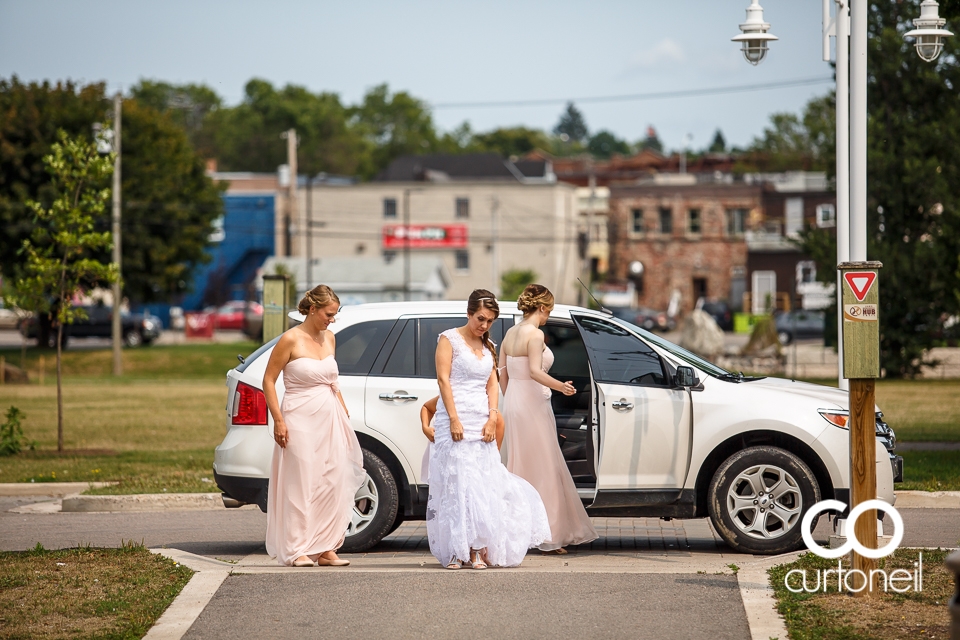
[[133, 338], [757, 499], [785, 337], [375, 507]]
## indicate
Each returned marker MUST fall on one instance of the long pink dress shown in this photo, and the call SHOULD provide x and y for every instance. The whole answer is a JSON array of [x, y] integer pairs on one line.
[[314, 479], [533, 453]]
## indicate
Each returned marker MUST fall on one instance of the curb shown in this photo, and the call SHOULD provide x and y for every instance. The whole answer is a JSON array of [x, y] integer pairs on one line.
[[195, 596], [143, 502], [928, 499], [52, 489]]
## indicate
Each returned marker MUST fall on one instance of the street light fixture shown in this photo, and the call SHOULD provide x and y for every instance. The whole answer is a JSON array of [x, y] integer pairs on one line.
[[754, 37], [929, 32]]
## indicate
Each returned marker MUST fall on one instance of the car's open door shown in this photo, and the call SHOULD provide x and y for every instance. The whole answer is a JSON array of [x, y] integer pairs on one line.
[[644, 422]]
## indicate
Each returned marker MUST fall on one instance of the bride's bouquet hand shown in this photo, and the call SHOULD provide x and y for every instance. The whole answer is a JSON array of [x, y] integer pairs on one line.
[[280, 433], [456, 430]]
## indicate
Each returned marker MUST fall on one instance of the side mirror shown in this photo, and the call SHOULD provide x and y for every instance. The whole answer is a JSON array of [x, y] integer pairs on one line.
[[685, 377]]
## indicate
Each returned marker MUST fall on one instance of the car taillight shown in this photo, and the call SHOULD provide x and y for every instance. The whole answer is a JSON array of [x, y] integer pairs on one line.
[[250, 405]]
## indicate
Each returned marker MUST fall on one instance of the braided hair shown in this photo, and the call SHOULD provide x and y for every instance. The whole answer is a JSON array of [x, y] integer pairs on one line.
[[481, 298]]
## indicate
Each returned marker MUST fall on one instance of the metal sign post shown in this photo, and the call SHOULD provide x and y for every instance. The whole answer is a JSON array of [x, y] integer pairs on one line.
[[275, 305], [860, 299]]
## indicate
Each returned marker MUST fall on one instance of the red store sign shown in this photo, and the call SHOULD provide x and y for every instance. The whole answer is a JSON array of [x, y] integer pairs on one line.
[[425, 236]]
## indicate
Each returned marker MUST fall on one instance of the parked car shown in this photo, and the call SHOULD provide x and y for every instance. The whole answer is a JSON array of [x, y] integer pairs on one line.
[[10, 318], [138, 329], [654, 430], [649, 319], [799, 324], [253, 321], [229, 317], [719, 310]]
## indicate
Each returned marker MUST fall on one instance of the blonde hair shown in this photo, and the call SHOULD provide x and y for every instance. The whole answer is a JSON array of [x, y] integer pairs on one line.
[[320, 296], [534, 297]]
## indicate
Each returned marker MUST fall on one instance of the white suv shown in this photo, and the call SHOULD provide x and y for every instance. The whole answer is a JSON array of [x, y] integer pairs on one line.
[[654, 430]]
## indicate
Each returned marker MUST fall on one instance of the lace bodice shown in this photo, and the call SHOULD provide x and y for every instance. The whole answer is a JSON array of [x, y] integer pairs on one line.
[[468, 379]]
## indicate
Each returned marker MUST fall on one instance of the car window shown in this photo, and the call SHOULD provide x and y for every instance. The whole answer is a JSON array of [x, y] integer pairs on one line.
[[401, 361], [570, 356], [619, 356], [430, 330], [359, 344]]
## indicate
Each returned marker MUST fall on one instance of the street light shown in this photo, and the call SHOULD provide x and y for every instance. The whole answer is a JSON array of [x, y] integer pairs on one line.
[[929, 33], [754, 37]]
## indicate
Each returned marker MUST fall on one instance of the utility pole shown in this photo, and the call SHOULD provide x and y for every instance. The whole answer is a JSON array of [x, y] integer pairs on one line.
[[116, 326], [309, 251], [291, 136], [406, 244], [842, 25], [495, 244]]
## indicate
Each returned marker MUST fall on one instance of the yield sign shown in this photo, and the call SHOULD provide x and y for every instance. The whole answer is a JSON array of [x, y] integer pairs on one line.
[[860, 282]]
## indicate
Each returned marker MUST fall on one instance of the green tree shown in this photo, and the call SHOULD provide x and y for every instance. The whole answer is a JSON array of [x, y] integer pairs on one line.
[[168, 202], [60, 255], [604, 144], [513, 282], [572, 124], [511, 141], [188, 105], [719, 144], [797, 143], [651, 141], [394, 124], [913, 202]]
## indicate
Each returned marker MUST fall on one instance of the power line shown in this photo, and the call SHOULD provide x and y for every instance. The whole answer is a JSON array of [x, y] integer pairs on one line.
[[683, 93]]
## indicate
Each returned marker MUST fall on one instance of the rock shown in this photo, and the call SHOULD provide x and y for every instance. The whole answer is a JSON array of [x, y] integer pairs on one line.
[[702, 335]]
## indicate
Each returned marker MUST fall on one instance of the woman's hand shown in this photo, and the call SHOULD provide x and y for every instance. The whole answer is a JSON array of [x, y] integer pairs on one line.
[[567, 389], [429, 432], [490, 429], [456, 430], [280, 433]]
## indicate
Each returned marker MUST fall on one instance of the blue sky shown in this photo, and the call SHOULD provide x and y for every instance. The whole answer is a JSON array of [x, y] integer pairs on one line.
[[442, 52]]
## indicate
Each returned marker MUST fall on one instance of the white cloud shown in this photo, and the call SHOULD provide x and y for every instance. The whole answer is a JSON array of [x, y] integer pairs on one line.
[[664, 53]]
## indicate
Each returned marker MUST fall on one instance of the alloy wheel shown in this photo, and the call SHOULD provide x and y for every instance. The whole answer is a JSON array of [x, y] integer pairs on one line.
[[365, 506], [764, 502]]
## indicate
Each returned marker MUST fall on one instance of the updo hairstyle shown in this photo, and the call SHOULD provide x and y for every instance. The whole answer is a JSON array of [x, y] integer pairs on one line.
[[534, 297], [320, 296], [481, 298]]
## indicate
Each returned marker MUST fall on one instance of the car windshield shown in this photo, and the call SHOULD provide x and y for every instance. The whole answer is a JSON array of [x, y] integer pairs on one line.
[[687, 356]]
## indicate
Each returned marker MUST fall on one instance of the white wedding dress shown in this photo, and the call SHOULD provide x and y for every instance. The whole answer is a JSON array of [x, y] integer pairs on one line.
[[474, 502]]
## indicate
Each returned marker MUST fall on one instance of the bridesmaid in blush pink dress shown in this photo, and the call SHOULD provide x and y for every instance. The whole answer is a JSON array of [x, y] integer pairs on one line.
[[317, 461], [533, 452]]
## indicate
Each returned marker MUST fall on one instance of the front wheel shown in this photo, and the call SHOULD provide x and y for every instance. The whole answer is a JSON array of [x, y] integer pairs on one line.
[[375, 507], [785, 337], [757, 499]]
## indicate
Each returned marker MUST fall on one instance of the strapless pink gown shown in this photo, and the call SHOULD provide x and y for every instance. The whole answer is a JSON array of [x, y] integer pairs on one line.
[[314, 479], [533, 453]]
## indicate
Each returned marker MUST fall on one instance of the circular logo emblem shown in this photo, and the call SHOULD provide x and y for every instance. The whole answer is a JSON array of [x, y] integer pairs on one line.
[[806, 529]]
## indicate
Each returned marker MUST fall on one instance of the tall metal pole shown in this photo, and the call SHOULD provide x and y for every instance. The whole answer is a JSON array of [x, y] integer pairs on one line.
[[116, 326], [843, 165], [495, 244], [406, 244], [309, 234], [858, 130]]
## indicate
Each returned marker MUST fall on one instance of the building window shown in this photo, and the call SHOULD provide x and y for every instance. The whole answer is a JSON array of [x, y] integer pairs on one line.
[[699, 288], [390, 208], [736, 222], [693, 221], [826, 215], [636, 221], [666, 220], [462, 260], [463, 208], [217, 233], [793, 217]]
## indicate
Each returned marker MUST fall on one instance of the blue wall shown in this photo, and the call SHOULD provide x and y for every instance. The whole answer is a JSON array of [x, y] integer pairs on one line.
[[248, 235]]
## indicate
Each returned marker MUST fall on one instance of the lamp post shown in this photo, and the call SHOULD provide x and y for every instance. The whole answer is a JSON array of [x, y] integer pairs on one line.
[[754, 38], [929, 32]]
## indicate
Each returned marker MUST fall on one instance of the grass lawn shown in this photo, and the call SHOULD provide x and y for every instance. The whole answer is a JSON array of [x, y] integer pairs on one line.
[[836, 616], [930, 471], [168, 362], [85, 592]]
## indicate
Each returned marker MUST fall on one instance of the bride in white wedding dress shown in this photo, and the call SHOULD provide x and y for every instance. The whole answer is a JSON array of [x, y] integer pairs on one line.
[[477, 511]]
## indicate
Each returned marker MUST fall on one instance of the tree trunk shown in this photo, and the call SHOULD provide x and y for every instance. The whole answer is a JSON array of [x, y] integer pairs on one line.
[[59, 390]]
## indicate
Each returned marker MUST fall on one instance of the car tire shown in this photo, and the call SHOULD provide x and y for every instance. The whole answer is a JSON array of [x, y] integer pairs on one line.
[[784, 337], [132, 339], [375, 512], [52, 340], [740, 489]]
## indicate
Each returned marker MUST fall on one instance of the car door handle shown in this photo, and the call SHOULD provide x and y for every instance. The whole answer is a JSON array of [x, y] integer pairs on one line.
[[622, 405], [389, 397]]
